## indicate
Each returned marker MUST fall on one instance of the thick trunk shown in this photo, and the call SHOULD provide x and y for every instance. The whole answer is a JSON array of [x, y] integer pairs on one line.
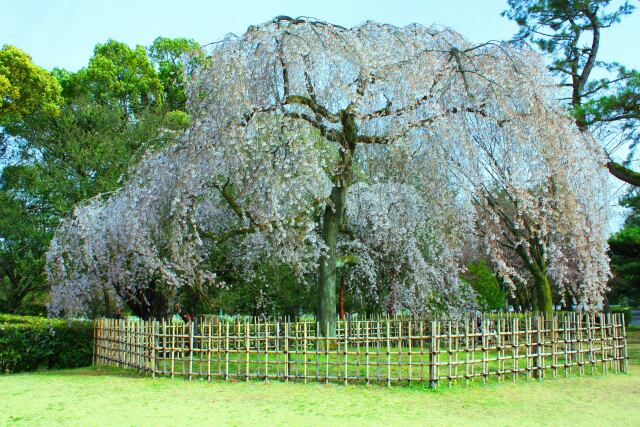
[[331, 224], [544, 297], [327, 272]]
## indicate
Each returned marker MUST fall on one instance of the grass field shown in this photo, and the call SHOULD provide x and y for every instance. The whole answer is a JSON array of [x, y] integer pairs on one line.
[[93, 396]]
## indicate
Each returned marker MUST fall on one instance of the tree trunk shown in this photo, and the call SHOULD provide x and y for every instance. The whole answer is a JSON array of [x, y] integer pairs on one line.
[[327, 272], [331, 222], [544, 297]]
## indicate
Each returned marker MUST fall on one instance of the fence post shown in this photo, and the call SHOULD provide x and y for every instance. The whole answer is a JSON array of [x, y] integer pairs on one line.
[[304, 351], [152, 347], [388, 355], [191, 327], [410, 348], [433, 355], [603, 344], [346, 351], [515, 346], [226, 350], [246, 350], [95, 340], [286, 352], [625, 360], [540, 347]]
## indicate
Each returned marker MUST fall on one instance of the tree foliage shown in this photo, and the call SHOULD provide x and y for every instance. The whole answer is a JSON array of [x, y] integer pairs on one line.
[[625, 257], [109, 113], [367, 153], [25, 87]]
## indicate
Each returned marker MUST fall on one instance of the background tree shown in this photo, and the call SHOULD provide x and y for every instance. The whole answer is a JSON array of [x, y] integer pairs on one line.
[[625, 257], [175, 61], [25, 87], [570, 32], [109, 113]]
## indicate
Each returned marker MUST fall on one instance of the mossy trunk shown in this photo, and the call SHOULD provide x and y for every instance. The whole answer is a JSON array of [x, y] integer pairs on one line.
[[544, 296], [535, 261], [327, 277], [331, 222]]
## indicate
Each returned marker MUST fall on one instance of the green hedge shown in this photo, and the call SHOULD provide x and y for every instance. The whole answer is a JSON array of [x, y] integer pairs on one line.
[[626, 312], [28, 343]]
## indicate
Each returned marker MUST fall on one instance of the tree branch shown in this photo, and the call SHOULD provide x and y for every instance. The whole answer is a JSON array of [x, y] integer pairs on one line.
[[623, 173]]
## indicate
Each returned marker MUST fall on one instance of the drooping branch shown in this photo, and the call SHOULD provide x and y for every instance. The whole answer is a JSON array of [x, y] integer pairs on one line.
[[623, 173]]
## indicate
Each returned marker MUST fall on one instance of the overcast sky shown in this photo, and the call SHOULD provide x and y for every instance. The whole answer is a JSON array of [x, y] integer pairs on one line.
[[63, 33]]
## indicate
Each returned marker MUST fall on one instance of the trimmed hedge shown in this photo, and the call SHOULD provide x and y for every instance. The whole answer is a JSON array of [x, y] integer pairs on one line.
[[28, 343]]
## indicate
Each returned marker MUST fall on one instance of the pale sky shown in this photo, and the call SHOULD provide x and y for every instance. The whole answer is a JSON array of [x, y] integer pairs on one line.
[[63, 33]]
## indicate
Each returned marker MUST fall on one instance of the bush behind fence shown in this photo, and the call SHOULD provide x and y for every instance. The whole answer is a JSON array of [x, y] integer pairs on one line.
[[384, 351]]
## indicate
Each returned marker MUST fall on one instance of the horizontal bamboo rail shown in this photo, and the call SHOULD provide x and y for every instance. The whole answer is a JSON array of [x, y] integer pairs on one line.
[[383, 351]]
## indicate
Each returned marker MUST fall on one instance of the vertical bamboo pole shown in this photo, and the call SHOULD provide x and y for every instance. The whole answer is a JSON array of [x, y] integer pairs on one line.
[[590, 340], [614, 342], [366, 351], [554, 346], [317, 351], [449, 351], [286, 352], [266, 350], [304, 351], [358, 344], [527, 335], [226, 351], [410, 349], [433, 355], [172, 328], [457, 349], [499, 349], [209, 344], [515, 343], [580, 339], [603, 339], [94, 357], [152, 346], [326, 353], [388, 339], [541, 323], [422, 361], [484, 362], [346, 351], [163, 345], [466, 351], [136, 339], [398, 339], [246, 350], [191, 328], [625, 360]]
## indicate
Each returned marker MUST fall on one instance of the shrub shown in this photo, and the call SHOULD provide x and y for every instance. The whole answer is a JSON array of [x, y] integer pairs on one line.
[[28, 343], [626, 313], [483, 281]]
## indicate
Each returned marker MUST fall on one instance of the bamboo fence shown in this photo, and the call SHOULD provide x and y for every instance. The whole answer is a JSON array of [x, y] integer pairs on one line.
[[383, 351]]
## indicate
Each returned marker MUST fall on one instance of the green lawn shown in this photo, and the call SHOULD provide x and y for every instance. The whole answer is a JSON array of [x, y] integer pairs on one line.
[[93, 396]]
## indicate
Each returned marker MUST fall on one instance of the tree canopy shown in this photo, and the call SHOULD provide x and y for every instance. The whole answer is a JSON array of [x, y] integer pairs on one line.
[[25, 87], [378, 154]]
